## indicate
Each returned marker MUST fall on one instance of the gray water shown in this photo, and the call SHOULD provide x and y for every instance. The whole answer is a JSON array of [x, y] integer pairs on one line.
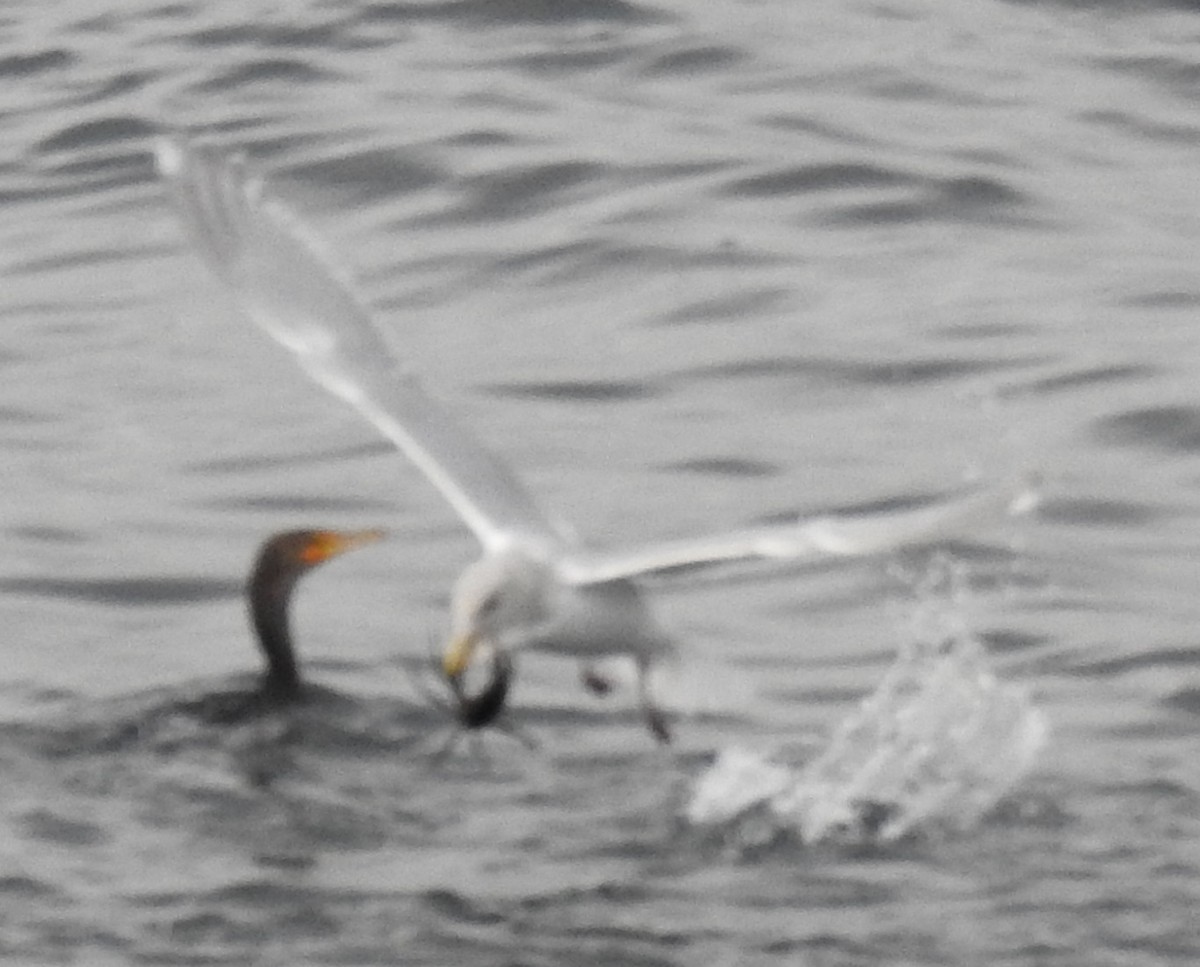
[[685, 265]]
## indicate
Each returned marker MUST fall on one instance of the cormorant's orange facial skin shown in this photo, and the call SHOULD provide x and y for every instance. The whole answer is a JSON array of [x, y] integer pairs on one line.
[[326, 544], [322, 546]]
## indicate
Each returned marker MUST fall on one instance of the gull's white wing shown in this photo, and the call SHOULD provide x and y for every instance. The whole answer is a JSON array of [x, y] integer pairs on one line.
[[287, 284], [836, 535]]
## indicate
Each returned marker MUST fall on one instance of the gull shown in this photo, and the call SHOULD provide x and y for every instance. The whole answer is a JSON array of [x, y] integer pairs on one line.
[[535, 586]]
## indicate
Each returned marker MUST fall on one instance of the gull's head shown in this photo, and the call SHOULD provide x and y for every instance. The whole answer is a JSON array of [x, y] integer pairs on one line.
[[499, 601]]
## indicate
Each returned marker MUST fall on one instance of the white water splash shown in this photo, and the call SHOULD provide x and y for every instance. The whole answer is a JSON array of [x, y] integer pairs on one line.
[[937, 745]]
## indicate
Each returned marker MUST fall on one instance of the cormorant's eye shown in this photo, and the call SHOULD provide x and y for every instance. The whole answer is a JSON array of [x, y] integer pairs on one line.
[[489, 604]]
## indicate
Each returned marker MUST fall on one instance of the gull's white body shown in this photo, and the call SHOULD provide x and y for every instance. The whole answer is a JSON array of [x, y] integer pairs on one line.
[[533, 586]]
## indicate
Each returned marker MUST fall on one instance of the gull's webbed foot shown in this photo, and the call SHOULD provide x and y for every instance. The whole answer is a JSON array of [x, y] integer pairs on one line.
[[594, 682], [656, 719], [657, 722]]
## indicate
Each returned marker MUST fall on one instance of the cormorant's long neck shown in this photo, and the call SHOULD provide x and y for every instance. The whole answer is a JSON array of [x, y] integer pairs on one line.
[[270, 592]]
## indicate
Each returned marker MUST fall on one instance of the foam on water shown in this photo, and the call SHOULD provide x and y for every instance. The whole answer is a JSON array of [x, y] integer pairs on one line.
[[939, 742]]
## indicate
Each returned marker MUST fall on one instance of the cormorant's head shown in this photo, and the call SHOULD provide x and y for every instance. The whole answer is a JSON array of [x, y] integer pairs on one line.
[[286, 556]]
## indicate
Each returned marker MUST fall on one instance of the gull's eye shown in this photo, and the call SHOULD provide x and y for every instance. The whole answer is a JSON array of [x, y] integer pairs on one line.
[[488, 605]]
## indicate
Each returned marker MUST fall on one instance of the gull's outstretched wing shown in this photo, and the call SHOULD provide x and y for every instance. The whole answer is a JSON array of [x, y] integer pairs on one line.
[[836, 535], [287, 284]]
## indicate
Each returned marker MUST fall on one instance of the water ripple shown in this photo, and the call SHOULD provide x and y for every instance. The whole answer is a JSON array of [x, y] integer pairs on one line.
[[803, 179], [298, 504], [1097, 511], [1144, 127], [97, 133], [47, 826], [968, 199], [93, 155], [24, 65], [1089, 376], [141, 591], [260, 33], [576, 391], [744, 305], [693, 60], [372, 172], [1183, 700], [1163, 299], [878, 194], [459, 908], [24, 888], [1152, 658], [901, 372], [725, 467], [46, 534], [253, 462], [586, 260], [498, 12], [266, 70], [1008, 640], [555, 61], [519, 192], [1179, 75], [1172, 428]]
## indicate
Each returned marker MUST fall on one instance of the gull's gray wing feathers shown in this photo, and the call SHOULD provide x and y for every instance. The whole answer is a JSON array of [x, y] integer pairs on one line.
[[290, 287], [835, 535]]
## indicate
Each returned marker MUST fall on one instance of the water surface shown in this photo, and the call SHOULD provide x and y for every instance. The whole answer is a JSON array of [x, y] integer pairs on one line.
[[686, 265]]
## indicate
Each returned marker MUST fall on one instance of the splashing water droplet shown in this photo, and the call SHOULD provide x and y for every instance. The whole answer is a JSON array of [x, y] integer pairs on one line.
[[937, 744]]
